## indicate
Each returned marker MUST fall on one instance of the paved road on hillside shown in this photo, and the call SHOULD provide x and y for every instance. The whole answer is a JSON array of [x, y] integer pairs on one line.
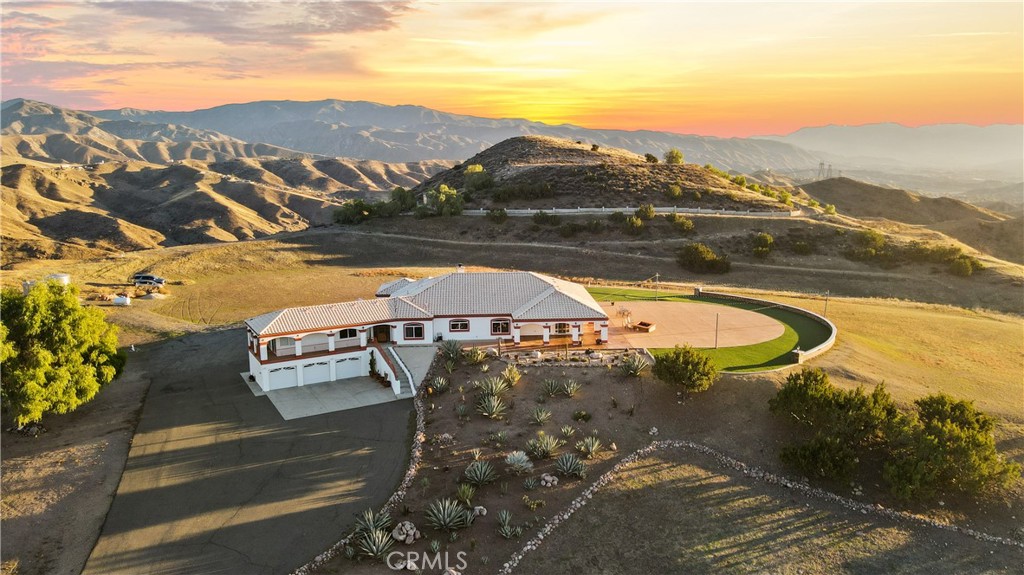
[[217, 482]]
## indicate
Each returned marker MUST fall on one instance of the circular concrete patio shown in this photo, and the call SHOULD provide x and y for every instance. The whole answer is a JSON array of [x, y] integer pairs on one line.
[[686, 323]]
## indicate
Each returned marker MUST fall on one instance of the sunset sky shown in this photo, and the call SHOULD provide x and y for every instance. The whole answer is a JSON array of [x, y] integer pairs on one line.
[[726, 69]]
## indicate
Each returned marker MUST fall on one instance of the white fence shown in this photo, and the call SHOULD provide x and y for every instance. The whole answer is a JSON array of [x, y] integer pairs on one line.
[[519, 212]]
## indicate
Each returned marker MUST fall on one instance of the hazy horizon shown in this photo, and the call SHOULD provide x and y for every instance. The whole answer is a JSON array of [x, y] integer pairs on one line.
[[732, 69]]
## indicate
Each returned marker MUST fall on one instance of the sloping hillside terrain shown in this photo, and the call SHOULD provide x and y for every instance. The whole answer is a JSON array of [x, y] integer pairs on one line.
[[545, 172], [992, 232]]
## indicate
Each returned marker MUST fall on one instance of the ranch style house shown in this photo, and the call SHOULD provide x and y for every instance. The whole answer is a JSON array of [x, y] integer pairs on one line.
[[314, 344]]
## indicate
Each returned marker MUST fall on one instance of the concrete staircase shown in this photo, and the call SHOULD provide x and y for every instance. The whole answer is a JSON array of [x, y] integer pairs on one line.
[[405, 386]]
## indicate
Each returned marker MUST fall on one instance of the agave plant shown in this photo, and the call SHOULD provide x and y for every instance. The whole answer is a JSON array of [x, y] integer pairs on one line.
[[511, 374], [369, 520], [530, 483], [439, 384], [589, 446], [633, 365], [446, 515], [540, 416], [570, 387], [551, 387], [504, 517], [461, 410], [475, 355], [543, 446], [449, 366], [491, 406], [451, 350], [476, 453], [435, 546], [480, 473], [498, 438], [569, 465], [492, 386], [568, 431], [465, 493], [376, 544], [518, 462]]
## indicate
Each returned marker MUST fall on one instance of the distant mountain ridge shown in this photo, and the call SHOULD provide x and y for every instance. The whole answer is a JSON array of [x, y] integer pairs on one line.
[[366, 130]]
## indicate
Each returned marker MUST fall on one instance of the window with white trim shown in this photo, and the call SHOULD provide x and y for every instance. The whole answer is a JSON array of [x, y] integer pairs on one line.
[[348, 334], [562, 328], [501, 327], [413, 331], [458, 325]]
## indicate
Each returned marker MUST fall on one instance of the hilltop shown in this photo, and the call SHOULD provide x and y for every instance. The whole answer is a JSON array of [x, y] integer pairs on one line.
[[543, 172], [989, 231]]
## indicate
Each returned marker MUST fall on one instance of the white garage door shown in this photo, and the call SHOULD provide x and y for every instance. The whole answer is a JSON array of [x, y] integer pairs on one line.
[[283, 377], [316, 373], [345, 368]]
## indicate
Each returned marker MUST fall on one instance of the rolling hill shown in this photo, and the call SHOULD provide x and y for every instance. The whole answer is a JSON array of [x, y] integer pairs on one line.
[[542, 172], [986, 230]]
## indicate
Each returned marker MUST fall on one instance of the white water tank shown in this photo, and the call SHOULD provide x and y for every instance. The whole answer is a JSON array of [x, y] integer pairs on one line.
[[122, 300], [62, 279]]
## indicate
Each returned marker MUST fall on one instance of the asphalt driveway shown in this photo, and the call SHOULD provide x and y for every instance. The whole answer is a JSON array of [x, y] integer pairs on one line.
[[217, 482]]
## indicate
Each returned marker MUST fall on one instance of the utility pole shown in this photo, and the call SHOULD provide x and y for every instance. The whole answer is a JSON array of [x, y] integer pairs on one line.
[[826, 303], [717, 315], [657, 286]]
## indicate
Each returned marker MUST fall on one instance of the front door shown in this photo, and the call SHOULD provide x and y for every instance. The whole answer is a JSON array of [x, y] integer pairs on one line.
[[382, 333]]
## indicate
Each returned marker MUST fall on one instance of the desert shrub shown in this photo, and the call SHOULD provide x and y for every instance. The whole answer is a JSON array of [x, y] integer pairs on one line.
[[633, 226], [830, 209], [681, 223], [674, 191], [869, 239], [479, 473], [476, 178], [803, 248], [686, 367], [596, 226], [763, 245], [645, 212], [674, 157], [617, 217], [650, 158], [581, 415], [353, 212], [446, 515], [543, 218], [699, 258], [786, 198], [812, 203], [497, 215], [946, 447], [696, 195], [594, 147], [571, 229]]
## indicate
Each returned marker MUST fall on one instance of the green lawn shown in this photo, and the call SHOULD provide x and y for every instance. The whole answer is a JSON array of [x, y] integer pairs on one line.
[[799, 331]]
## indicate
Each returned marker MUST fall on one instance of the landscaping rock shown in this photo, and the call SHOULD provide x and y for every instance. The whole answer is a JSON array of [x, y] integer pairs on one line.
[[406, 532], [479, 511]]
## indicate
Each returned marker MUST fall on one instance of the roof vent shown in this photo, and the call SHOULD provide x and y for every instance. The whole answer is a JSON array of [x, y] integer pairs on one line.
[[460, 269]]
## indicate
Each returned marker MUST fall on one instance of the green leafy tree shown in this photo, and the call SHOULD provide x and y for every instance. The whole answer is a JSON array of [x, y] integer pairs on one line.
[[948, 446], [56, 353], [476, 178], [445, 201], [405, 199], [353, 212], [686, 367], [674, 157]]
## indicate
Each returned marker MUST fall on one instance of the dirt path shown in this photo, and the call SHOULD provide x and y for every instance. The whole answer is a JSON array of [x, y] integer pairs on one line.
[[58, 486]]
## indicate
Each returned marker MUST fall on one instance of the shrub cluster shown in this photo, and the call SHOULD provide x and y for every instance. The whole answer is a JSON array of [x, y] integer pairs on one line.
[[701, 259], [943, 446], [543, 218], [763, 244], [523, 191], [872, 247]]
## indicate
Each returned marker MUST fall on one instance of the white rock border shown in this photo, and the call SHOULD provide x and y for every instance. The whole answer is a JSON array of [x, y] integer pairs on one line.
[[415, 456], [748, 471]]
